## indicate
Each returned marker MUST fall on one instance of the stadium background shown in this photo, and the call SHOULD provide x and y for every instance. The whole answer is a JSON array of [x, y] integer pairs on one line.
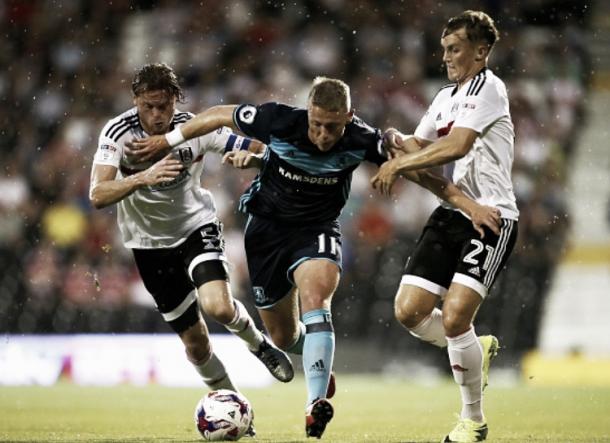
[[66, 67]]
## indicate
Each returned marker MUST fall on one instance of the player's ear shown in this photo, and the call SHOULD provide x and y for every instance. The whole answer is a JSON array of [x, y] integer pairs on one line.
[[350, 116], [481, 53]]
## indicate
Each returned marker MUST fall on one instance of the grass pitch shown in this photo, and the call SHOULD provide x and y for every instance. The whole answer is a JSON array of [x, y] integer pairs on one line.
[[367, 409]]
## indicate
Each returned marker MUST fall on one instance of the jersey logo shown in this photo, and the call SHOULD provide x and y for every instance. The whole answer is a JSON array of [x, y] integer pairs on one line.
[[247, 114], [439, 117], [307, 178], [259, 295], [444, 131], [186, 154], [317, 366], [475, 271]]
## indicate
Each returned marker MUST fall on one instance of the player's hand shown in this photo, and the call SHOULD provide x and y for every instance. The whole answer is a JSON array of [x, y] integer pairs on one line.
[[392, 143], [242, 159], [165, 170], [385, 177], [486, 216], [144, 149]]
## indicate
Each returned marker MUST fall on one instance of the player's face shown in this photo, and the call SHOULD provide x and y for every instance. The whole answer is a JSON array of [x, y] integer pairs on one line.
[[463, 58], [156, 110], [326, 127]]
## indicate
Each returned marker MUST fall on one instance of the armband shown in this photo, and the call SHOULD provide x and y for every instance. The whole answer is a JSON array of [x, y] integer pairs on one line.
[[237, 143], [175, 137], [245, 144]]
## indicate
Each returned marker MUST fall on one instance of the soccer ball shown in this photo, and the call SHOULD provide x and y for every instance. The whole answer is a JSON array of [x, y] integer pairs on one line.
[[223, 415]]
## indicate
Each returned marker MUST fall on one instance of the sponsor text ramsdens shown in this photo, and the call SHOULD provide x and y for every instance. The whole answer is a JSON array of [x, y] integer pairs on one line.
[[308, 178]]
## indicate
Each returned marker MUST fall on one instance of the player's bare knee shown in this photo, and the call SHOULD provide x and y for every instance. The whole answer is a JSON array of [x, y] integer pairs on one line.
[[407, 317], [455, 323], [218, 310], [281, 338], [407, 314], [311, 300]]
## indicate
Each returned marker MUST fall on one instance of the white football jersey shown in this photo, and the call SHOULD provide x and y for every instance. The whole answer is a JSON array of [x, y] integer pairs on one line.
[[484, 174], [162, 216]]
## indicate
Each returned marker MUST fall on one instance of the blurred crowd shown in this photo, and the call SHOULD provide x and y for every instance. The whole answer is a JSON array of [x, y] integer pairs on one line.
[[66, 68]]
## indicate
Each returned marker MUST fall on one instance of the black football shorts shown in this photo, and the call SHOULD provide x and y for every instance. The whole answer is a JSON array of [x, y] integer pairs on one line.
[[171, 274], [451, 250], [274, 250]]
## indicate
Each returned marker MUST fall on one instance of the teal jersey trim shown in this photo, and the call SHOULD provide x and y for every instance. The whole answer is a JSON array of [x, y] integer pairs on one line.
[[316, 164]]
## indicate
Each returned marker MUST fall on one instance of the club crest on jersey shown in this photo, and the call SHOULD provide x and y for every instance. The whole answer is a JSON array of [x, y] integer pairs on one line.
[[186, 154], [108, 148], [259, 294]]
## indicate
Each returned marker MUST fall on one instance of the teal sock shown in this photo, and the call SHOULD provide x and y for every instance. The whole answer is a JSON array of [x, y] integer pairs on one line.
[[297, 346], [318, 352]]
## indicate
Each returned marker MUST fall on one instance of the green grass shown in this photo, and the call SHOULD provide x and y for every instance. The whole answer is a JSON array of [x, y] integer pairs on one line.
[[368, 409]]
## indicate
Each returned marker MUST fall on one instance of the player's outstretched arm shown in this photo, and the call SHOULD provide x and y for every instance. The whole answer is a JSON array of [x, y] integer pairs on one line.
[[204, 122], [479, 215], [445, 150], [397, 144], [105, 190]]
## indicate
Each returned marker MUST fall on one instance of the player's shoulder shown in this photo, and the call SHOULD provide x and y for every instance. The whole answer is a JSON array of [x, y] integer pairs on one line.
[[361, 134], [487, 85], [286, 119], [278, 113], [117, 126], [444, 93], [447, 89], [181, 117], [359, 126], [284, 111]]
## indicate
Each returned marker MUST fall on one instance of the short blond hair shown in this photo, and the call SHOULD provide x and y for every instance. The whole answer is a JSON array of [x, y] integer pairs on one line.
[[330, 94]]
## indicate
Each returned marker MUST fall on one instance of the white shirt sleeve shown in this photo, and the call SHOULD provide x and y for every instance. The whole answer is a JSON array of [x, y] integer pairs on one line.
[[224, 140], [426, 128], [108, 151], [479, 111]]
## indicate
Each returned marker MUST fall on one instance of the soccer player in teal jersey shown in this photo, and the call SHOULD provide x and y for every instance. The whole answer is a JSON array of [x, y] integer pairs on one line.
[[293, 238]]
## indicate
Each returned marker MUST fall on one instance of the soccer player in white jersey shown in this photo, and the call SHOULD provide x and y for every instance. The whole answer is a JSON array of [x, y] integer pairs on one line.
[[170, 223], [468, 129]]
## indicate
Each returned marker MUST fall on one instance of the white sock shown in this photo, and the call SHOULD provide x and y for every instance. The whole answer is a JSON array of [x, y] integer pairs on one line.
[[243, 326], [431, 329], [214, 374], [466, 358]]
